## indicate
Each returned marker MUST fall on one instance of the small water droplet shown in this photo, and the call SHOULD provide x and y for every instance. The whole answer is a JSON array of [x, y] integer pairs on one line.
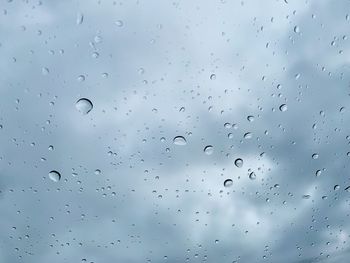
[[84, 106], [315, 156], [252, 176], [336, 187], [119, 23], [239, 162], [179, 140], [80, 18], [248, 135], [97, 171], [54, 176], [213, 77], [283, 107], [347, 189], [296, 29], [45, 71], [250, 118], [228, 182], [81, 78], [209, 149]]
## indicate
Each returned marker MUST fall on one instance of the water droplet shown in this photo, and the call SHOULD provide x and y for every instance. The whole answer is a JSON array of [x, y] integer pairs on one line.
[[97, 171], [239, 162], [248, 135], [252, 176], [315, 156], [336, 187], [250, 118], [347, 189], [119, 23], [81, 78], [84, 106], [98, 39], [213, 77], [179, 140], [306, 196], [45, 71], [228, 182], [209, 149], [318, 173], [296, 29], [283, 107], [80, 18], [54, 176], [227, 125]]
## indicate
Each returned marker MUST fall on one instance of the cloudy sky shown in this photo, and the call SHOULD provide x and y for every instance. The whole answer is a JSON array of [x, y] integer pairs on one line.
[[121, 123]]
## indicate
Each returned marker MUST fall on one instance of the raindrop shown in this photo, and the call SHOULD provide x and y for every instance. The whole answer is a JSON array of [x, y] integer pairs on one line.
[[81, 78], [239, 162], [80, 18], [315, 156], [252, 176], [336, 187], [283, 107], [97, 171], [227, 125], [209, 149], [228, 182], [250, 118], [84, 106], [248, 135], [54, 176], [179, 140], [213, 77], [119, 23], [347, 189], [296, 29], [45, 71]]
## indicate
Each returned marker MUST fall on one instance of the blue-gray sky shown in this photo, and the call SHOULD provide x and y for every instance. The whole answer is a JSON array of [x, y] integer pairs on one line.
[[210, 71]]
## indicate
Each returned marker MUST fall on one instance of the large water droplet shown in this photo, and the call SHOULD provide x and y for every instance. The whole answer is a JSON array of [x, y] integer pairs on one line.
[[179, 140], [228, 182], [54, 176], [209, 149], [84, 106], [239, 162]]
